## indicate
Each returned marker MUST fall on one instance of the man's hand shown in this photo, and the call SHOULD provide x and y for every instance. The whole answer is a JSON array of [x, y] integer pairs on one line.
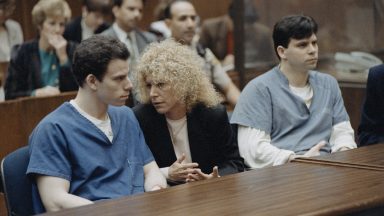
[[199, 175], [179, 171], [315, 150]]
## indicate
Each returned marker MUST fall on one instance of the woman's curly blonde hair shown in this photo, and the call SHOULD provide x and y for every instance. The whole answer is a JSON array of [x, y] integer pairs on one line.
[[176, 64]]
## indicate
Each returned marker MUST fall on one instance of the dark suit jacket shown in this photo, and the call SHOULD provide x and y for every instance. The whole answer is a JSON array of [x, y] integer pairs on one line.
[[24, 72], [211, 139], [142, 38], [371, 128], [73, 30], [257, 40]]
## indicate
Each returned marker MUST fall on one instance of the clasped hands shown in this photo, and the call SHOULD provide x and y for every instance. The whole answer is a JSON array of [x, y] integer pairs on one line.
[[189, 172]]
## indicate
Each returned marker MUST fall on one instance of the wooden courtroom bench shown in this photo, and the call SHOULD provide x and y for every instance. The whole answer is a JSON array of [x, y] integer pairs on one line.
[[18, 118]]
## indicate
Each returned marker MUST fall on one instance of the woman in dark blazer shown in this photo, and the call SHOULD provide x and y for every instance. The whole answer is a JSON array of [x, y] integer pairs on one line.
[[42, 67], [183, 122]]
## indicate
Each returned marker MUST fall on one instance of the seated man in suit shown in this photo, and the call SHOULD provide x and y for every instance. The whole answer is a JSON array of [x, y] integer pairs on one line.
[[90, 22], [183, 122], [127, 15], [292, 111], [181, 18], [92, 148], [371, 128]]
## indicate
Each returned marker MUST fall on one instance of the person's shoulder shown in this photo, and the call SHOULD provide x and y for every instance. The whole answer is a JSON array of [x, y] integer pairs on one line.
[[377, 71], [120, 110], [264, 79], [10, 23], [322, 77], [102, 28], [109, 32], [208, 113], [324, 80], [26, 48], [149, 37], [58, 116]]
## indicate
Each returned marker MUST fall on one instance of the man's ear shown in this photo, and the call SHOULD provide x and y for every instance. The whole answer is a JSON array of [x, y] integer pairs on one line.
[[281, 52], [168, 22], [91, 81], [115, 10]]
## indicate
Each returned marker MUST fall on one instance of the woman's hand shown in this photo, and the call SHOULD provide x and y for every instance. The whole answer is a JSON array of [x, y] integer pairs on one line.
[[179, 171], [199, 175], [59, 43]]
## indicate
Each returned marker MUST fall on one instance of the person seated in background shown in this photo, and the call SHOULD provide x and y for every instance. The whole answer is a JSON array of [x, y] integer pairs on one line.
[[127, 15], [183, 122], [371, 128], [92, 20], [292, 111], [92, 148], [217, 34], [181, 18], [42, 67], [10, 35]]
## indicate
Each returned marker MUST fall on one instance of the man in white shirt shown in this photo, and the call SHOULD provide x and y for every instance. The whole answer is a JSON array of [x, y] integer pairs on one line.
[[292, 111]]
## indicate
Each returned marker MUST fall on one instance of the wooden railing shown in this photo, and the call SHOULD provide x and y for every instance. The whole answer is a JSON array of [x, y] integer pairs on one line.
[[19, 117]]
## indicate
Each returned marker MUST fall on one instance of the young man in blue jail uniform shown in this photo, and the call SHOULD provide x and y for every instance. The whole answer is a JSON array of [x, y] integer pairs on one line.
[[292, 111], [92, 148]]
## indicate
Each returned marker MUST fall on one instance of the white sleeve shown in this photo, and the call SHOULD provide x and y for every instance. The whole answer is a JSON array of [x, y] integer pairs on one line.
[[342, 136], [256, 148], [164, 171]]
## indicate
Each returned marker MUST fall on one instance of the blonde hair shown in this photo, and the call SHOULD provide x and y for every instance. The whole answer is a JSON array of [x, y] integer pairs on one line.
[[176, 64], [50, 8]]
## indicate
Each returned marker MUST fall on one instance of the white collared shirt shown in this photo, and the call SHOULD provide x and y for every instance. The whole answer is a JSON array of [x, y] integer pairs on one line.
[[86, 32]]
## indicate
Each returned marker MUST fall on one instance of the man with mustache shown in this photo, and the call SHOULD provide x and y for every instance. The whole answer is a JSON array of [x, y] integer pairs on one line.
[[292, 111], [181, 18]]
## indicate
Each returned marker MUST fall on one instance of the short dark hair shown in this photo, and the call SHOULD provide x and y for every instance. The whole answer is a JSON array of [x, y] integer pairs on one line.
[[167, 10], [93, 55], [103, 6], [293, 26]]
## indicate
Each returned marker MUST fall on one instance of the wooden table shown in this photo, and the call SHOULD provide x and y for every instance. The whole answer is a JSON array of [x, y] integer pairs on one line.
[[291, 189], [366, 157]]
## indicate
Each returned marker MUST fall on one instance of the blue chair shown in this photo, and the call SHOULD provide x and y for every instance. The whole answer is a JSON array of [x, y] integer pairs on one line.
[[16, 185]]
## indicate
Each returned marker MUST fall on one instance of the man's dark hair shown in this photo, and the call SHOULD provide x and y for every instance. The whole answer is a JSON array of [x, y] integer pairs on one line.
[[93, 55], [120, 2], [293, 26], [167, 10], [103, 6]]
